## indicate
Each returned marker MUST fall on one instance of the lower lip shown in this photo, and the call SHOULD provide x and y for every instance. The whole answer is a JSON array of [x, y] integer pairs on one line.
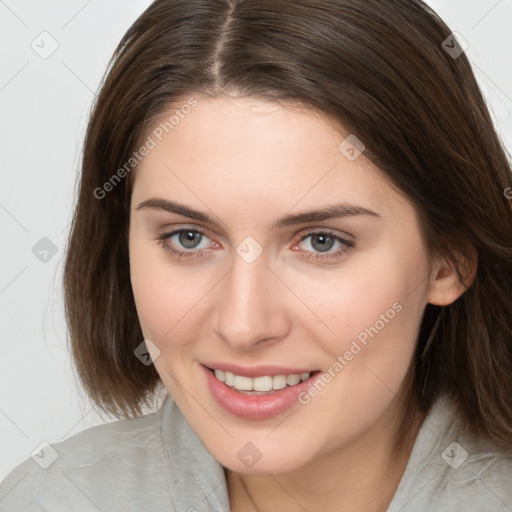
[[256, 407]]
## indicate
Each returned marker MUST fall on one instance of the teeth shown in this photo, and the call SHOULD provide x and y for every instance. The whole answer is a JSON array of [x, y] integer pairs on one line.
[[243, 383], [293, 379], [279, 381], [260, 385], [256, 392]]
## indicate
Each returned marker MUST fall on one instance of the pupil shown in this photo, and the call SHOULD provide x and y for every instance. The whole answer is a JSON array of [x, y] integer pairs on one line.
[[189, 239], [324, 243]]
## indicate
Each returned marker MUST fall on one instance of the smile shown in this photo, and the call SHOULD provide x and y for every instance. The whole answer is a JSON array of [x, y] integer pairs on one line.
[[257, 393], [265, 385]]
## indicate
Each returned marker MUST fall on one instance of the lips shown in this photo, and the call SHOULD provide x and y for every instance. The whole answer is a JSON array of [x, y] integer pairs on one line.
[[257, 371], [262, 404], [260, 385]]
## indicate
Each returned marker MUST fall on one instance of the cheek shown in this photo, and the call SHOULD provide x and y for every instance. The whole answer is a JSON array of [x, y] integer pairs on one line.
[[380, 296], [163, 296], [377, 323], [375, 310]]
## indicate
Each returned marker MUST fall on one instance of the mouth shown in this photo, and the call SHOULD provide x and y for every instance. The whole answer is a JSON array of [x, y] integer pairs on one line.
[[263, 385], [257, 393]]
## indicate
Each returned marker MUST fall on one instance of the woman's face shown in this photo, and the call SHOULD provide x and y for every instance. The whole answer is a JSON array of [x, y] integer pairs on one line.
[[231, 270]]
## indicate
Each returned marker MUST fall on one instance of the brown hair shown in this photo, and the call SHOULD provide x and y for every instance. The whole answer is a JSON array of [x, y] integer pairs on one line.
[[379, 69]]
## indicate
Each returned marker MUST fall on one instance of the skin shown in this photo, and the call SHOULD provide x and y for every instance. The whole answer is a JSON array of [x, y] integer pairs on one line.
[[249, 162]]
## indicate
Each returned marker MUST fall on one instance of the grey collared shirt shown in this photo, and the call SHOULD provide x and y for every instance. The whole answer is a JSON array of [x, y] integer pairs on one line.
[[156, 463]]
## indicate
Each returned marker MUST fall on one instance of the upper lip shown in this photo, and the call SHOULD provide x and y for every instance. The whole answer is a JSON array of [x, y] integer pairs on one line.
[[257, 371]]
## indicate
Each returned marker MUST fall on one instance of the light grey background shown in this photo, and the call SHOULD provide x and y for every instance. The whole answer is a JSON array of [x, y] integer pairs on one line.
[[44, 101]]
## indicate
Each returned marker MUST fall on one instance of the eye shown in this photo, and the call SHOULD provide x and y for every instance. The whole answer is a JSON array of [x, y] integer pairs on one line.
[[324, 245], [188, 238], [186, 242]]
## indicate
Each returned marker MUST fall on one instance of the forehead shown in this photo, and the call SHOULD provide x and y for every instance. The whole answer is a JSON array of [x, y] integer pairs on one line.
[[252, 152]]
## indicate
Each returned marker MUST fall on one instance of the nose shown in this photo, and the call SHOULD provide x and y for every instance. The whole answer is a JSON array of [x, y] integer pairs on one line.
[[251, 307]]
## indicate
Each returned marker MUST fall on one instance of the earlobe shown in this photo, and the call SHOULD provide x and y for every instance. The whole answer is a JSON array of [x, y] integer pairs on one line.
[[445, 285]]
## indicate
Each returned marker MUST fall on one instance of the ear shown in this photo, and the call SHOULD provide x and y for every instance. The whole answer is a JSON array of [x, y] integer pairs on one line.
[[445, 286]]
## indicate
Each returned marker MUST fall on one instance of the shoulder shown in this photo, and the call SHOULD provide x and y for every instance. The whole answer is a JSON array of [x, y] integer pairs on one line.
[[450, 469], [102, 465]]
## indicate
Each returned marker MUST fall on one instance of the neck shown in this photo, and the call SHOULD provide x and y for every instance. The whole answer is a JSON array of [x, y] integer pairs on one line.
[[361, 476]]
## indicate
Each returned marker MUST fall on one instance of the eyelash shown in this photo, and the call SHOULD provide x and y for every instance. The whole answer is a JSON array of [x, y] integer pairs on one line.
[[348, 245]]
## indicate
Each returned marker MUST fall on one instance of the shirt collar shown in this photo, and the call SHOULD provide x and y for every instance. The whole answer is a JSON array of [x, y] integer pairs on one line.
[[197, 482]]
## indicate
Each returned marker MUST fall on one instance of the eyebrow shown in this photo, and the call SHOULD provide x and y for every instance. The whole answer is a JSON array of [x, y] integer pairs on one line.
[[333, 211]]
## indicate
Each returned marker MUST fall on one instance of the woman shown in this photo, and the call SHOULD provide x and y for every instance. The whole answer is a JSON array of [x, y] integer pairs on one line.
[[292, 218]]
